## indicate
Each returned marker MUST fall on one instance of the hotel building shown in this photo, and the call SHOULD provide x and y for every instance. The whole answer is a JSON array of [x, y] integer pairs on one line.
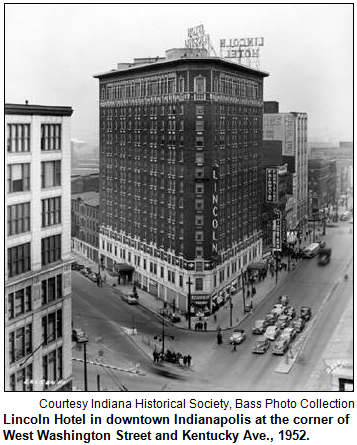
[[180, 179]]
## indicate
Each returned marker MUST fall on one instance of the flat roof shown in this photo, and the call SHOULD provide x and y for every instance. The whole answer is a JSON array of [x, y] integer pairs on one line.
[[39, 110], [90, 198], [168, 62]]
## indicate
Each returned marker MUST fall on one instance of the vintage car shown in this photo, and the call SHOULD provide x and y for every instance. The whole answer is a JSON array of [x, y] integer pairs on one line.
[[237, 337], [299, 324], [283, 299], [278, 309], [261, 345], [259, 327], [283, 321], [271, 318], [130, 298], [290, 312], [272, 332], [305, 313], [280, 346]]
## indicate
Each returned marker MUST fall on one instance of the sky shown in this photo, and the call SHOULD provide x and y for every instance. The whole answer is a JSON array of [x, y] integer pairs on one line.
[[53, 51]]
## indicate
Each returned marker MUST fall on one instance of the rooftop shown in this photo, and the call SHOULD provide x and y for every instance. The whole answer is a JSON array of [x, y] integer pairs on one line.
[[90, 198], [177, 56], [38, 110]]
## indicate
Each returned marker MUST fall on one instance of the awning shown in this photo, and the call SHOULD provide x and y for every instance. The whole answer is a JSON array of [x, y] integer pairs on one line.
[[257, 266], [123, 268]]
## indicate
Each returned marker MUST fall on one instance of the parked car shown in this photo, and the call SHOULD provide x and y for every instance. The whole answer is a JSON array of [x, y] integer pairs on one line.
[[271, 319], [130, 298], [290, 312], [237, 337], [93, 276], [284, 300], [79, 335], [289, 333], [85, 271], [280, 346], [261, 345], [259, 327], [278, 309], [283, 321], [74, 265], [272, 332], [299, 324], [305, 313]]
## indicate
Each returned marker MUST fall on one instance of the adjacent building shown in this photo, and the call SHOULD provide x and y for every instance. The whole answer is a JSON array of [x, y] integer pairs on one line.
[[291, 129], [85, 225], [322, 183], [180, 179], [37, 248]]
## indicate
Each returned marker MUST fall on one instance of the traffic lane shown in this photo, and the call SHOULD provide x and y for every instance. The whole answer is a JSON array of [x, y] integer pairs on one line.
[[316, 343], [306, 285]]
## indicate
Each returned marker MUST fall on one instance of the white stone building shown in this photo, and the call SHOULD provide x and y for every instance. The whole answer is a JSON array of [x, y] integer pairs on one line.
[[38, 310]]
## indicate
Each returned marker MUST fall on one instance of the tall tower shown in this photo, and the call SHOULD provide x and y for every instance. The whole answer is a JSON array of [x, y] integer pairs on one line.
[[180, 181]]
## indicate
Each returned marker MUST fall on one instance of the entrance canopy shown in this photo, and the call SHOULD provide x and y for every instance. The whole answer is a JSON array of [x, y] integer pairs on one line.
[[123, 269]]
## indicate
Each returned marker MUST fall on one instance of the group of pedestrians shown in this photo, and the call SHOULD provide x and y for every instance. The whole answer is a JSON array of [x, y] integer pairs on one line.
[[199, 326], [172, 357]]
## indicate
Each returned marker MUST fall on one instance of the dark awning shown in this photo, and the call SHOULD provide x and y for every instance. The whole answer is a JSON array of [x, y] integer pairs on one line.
[[123, 268], [257, 266]]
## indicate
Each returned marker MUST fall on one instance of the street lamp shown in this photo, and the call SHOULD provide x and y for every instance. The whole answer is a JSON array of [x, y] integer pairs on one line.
[[189, 283]]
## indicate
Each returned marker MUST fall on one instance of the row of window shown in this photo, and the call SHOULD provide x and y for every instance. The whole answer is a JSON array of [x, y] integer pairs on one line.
[[18, 137], [18, 176], [19, 215], [20, 302], [19, 257]]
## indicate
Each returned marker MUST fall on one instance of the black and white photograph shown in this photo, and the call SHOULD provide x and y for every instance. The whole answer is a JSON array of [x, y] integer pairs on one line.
[[178, 197]]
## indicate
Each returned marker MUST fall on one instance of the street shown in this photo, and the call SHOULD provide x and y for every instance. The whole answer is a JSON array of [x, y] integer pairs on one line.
[[103, 315]]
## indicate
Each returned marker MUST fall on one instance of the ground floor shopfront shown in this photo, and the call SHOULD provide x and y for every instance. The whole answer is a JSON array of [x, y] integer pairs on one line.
[[171, 279]]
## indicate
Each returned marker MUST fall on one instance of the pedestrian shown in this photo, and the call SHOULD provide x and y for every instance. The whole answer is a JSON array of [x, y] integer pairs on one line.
[[189, 360], [205, 325], [248, 293], [184, 360], [215, 317], [254, 291], [219, 338], [196, 326], [155, 356], [105, 278]]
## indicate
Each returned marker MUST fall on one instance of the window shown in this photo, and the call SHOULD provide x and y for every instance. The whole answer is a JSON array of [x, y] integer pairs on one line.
[[199, 252], [199, 159], [18, 218], [199, 110], [199, 125], [20, 343], [199, 235], [50, 249], [22, 380], [199, 204], [18, 138], [51, 211], [19, 259], [52, 368], [18, 178], [199, 141], [200, 88], [180, 280], [199, 284], [50, 137], [52, 327], [50, 174], [51, 289], [199, 188], [19, 302]]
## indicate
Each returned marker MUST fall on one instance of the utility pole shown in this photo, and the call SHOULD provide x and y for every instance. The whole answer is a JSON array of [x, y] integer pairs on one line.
[[231, 310], [163, 331], [189, 283], [98, 382], [276, 267], [243, 291], [85, 365], [324, 224]]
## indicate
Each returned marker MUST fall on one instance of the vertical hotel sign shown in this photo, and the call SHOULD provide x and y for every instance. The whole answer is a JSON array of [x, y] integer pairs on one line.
[[271, 185], [215, 194], [277, 230]]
